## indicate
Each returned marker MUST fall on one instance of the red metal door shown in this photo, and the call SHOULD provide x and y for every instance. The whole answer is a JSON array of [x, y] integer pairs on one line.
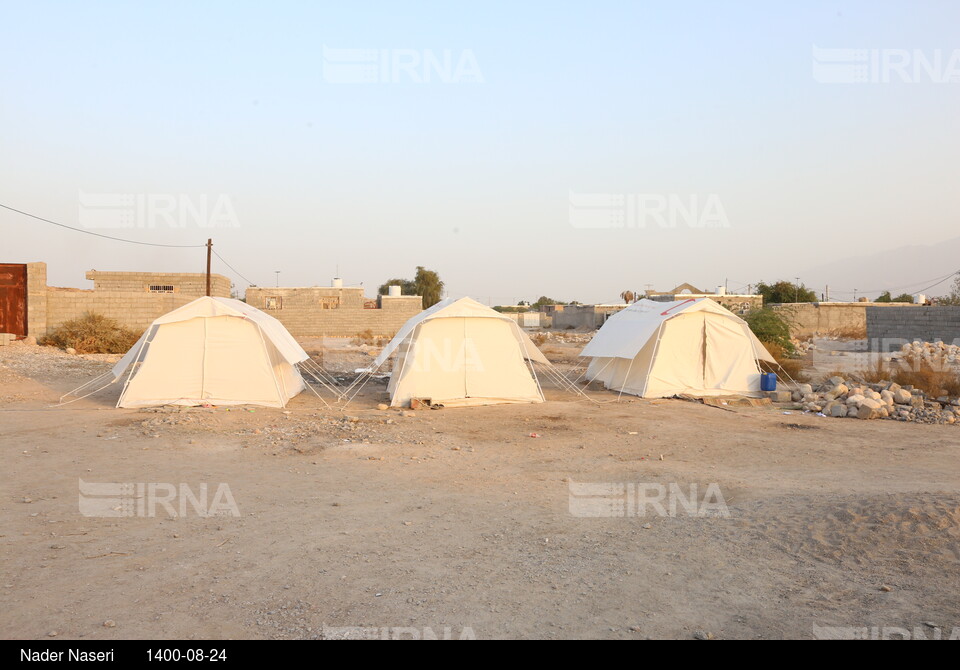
[[13, 299]]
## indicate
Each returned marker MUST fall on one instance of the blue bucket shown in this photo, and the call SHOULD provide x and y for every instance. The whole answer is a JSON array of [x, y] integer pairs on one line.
[[768, 381]]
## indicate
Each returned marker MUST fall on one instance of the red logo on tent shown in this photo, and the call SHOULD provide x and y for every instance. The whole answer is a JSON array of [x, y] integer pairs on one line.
[[678, 306]]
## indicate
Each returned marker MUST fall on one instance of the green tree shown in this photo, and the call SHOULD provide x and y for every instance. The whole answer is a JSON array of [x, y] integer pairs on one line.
[[770, 327], [544, 300], [785, 292], [428, 285], [954, 297], [407, 287], [886, 297]]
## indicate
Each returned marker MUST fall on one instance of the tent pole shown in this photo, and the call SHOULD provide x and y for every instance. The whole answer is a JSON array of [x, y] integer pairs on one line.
[[276, 384], [133, 364], [653, 358], [523, 347]]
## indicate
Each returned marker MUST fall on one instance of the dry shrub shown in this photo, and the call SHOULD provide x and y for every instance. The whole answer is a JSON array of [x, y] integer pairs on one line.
[[539, 338], [878, 372], [932, 377], [365, 337], [788, 366], [848, 333], [92, 334]]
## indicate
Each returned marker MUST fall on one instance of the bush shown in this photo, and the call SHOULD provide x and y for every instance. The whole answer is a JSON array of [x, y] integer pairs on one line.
[[932, 377], [782, 292], [876, 373], [771, 328], [365, 337], [92, 334]]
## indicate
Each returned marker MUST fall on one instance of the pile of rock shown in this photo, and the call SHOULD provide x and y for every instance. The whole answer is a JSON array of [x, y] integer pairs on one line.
[[937, 354], [803, 347], [839, 398], [561, 336]]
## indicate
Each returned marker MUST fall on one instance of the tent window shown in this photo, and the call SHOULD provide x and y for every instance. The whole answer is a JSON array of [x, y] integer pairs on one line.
[[160, 288], [273, 302]]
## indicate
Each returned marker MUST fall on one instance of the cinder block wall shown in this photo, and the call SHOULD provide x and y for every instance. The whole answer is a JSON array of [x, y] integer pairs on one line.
[[824, 318], [133, 310], [187, 283], [123, 296], [888, 329], [307, 298], [36, 299], [302, 311]]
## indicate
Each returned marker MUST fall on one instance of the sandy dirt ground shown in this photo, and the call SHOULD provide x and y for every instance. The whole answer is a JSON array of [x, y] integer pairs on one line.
[[457, 522]]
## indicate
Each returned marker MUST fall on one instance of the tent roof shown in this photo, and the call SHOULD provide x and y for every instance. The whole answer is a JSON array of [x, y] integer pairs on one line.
[[457, 309], [207, 308], [626, 332]]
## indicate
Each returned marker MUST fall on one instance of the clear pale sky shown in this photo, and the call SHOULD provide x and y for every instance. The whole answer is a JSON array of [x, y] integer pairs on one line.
[[473, 178]]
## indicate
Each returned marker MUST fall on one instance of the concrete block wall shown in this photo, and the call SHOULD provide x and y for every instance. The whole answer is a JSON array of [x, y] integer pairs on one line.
[[302, 311], [739, 304], [825, 318], [589, 317], [36, 299], [307, 297], [888, 329], [133, 310], [188, 283]]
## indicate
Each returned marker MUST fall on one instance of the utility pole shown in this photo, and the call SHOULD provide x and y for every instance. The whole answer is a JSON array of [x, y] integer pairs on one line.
[[796, 292], [209, 251], [828, 293]]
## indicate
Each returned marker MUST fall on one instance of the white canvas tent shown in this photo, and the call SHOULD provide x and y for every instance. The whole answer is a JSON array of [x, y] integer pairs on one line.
[[461, 353], [660, 349], [214, 351]]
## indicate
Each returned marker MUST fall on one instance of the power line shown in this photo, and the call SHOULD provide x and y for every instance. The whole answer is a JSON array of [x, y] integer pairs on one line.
[[900, 288], [232, 268], [938, 283], [106, 237]]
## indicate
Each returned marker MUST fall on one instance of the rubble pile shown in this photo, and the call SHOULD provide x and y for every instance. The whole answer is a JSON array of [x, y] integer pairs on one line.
[[937, 354], [839, 398], [560, 336]]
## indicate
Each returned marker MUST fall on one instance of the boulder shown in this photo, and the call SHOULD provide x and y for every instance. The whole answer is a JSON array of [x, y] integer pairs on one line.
[[835, 409], [837, 391], [902, 397], [779, 396]]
